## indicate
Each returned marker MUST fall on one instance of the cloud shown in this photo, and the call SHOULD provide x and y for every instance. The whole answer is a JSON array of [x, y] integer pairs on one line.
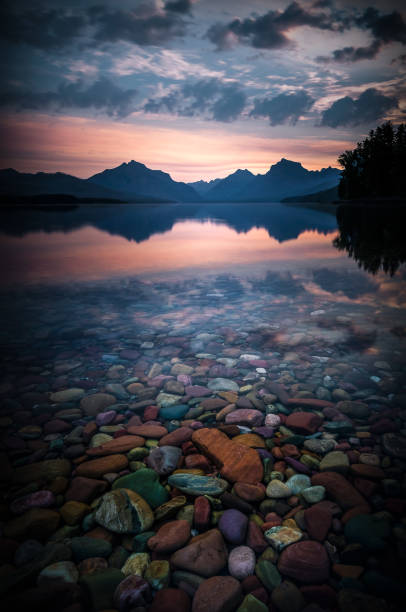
[[284, 108], [369, 107], [384, 28], [353, 54], [209, 98], [41, 27], [102, 95], [56, 28], [268, 31]]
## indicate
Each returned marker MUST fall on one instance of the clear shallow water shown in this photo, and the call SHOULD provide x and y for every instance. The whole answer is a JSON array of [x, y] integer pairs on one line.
[[123, 299]]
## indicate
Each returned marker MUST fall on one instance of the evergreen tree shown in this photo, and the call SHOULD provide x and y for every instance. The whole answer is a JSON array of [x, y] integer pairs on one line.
[[376, 167]]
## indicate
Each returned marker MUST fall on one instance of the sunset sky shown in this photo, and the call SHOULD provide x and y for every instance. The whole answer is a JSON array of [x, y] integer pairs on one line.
[[197, 88]]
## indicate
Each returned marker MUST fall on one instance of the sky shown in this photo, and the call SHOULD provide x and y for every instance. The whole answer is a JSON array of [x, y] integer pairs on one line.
[[197, 88]]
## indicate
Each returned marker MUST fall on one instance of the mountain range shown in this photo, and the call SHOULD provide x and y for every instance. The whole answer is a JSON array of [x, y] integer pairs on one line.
[[134, 182]]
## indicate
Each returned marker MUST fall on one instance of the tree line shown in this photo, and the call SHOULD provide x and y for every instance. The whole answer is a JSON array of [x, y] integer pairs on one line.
[[376, 168]]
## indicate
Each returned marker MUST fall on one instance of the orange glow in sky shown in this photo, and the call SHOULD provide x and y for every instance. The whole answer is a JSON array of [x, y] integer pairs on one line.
[[83, 146], [89, 253]]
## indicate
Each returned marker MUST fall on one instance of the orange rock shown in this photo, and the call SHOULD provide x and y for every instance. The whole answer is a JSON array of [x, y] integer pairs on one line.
[[348, 571], [148, 431], [122, 444], [235, 461], [103, 465], [229, 396], [250, 439]]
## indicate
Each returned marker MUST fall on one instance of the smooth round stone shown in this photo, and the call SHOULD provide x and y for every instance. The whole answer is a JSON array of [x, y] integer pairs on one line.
[[173, 412], [218, 594], [136, 564], [62, 570], [277, 490], [99, 439], [233, 525], [67, 395], [105, 418], [313, 495], [241, 562], [164, 459], [280, 537], [205, 554], [132, 592], [297, 483], [157, 574], [335, 461], [85, 547], [101, 466], [96, 402], [223, 384], [124, 511], [268, 574], [30, 432], [170, 537], [272, 420], [171, 600], [320, 446], [251, 604], [305, 562], [198, 485], [395, 445], [39, 499], [146, 483]]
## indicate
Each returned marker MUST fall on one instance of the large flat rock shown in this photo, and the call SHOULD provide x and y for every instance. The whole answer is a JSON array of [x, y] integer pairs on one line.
[[237, 463]]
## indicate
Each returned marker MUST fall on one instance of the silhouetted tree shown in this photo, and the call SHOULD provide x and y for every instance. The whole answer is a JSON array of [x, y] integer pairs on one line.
[[376, 167]]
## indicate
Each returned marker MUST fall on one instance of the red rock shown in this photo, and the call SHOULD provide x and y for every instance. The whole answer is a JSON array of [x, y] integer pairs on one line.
[[311, 402], [355, 511], [305, 561], [290, 450], [367, 471], [56, 426], [104, 465], [196, 461], [148, 431], [304, 422], [318, 522], [85, 490], [245, 416], [341, 491], [122, 444], [367, 488], [202, 512], [251, 583], [171, 600], [217, 594], [249, 492], [176, 437], [206, 554], [255, 538], [150, 413], [237, 463], [170, 537]]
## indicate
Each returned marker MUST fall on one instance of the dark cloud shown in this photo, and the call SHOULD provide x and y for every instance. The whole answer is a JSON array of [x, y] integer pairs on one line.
[[179, 6], [55, 28], [40, 27], [209, 98], [102, 95], [284, 108], [268, 31], [384, 28], [353, 54], [371, 106]]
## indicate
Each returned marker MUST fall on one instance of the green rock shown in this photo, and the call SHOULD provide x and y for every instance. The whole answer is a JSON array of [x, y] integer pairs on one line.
[[146, 483], [252, 604], [198, 485], [186, 513], [140, 541], [296, 439], [100, 586], [368, 530], [313, 495], [177, 411], [157, 574], [268, 574], [85, 548], [136, 564], [137, 453]]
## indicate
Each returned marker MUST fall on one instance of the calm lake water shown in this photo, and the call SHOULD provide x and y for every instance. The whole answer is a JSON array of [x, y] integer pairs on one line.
[[325, 286]]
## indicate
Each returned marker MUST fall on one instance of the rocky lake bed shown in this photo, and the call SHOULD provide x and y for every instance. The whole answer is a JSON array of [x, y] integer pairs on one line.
[[206, 445]]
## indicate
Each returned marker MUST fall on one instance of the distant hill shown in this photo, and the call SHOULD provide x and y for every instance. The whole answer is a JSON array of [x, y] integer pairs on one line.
[[133, 177], [288, 178], [229, 188], [13, 183], [328, 195], [202, 187]]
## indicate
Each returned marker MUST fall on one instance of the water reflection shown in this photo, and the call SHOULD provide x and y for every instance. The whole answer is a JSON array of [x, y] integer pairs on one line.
[[373, 236]]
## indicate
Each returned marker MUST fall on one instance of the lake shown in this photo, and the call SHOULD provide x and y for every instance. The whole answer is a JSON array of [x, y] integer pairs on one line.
[[218, 315]]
